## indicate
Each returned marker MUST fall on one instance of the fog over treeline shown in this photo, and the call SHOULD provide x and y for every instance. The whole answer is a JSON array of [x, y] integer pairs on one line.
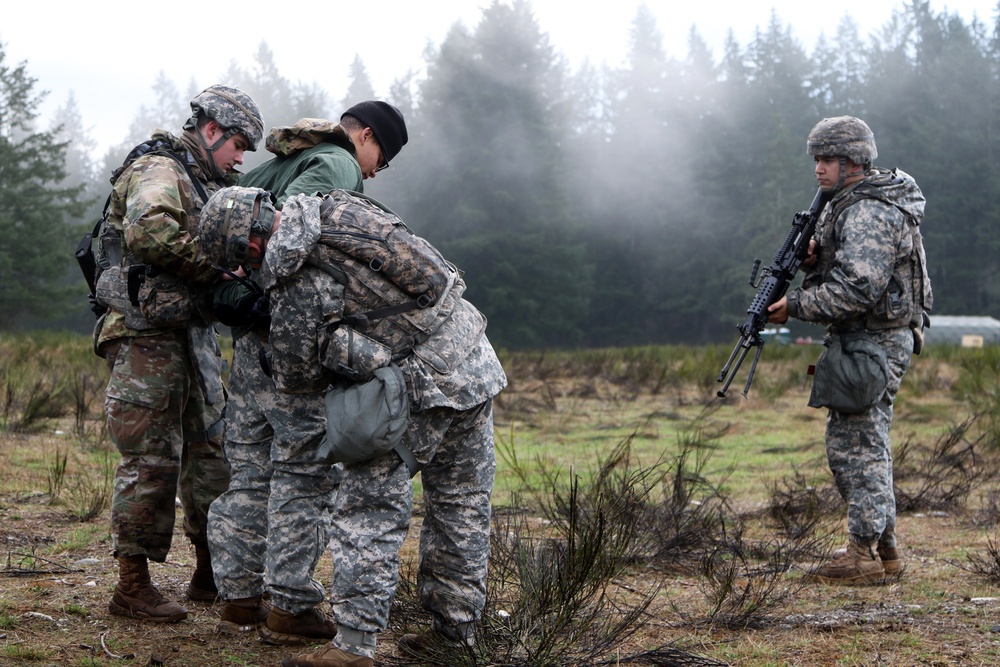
[[610, 206]]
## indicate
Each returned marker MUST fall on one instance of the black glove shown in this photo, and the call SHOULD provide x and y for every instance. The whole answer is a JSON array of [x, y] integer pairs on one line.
[[250, 311], [260, 313]]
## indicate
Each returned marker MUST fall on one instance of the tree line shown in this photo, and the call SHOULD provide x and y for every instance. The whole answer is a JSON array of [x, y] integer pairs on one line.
[[597, 207]]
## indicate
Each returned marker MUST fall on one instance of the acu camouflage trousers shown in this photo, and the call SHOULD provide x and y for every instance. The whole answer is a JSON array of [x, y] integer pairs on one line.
[[372, 517], [269, 529], [860, 454], [169, 438]]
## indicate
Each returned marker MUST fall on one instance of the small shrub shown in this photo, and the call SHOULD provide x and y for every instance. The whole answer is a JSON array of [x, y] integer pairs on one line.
[[986, 566], [979, 385], [940, 477], [797, 505], [56, 473], [7, 621], [741, 592], [91, 495]]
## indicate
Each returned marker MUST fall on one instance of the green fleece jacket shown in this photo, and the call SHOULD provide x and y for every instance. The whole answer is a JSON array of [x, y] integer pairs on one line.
[[322, 168]]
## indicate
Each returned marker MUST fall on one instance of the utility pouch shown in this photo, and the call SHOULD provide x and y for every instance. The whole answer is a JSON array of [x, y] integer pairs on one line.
[[918, 332], [164, 299], [454, 340], [112, 292], [354, 355], [851, 375]]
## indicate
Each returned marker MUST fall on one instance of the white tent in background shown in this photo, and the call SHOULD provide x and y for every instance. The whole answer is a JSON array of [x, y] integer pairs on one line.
[[964, 330]]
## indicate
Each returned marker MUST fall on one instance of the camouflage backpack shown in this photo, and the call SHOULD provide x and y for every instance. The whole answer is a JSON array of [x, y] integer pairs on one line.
[[399, 290]]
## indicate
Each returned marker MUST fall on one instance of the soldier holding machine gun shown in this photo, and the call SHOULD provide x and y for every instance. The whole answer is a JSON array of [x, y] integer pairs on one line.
[[867, 283]]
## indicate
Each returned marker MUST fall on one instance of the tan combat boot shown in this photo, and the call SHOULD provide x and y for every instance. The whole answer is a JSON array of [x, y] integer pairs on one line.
[[891, 562], [136, 597], [856, 566], [202, 587], [243, 615], [284, 628], [328, 656]]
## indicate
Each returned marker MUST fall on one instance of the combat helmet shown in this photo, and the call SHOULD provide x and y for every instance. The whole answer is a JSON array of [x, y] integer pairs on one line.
[[227, 220], [843, 136], [232, 109]]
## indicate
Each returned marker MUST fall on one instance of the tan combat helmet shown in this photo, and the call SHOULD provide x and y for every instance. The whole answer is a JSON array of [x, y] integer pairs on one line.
[[844, 137]]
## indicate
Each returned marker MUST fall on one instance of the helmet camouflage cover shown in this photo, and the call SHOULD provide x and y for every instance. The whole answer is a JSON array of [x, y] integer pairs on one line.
[[231, 108], [843, 136], [227, 220]]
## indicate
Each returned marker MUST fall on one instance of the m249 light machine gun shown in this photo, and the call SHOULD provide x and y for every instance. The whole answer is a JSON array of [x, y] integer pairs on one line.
[[772, 286]]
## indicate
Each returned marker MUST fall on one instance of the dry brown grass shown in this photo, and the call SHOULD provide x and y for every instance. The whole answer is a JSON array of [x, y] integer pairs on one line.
[[53, 608]]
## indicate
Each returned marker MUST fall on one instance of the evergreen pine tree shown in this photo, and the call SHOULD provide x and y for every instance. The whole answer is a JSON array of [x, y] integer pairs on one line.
[[35, 209]]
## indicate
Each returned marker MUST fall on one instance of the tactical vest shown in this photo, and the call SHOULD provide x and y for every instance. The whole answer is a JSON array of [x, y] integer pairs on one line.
[[147, 298], [908, 295]]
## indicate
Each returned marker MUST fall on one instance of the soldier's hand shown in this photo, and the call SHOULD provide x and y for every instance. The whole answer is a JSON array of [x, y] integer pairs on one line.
[[777, 312], [812, 255]]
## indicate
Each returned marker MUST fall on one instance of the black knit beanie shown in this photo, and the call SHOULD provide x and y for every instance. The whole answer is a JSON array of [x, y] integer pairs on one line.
[[386, 122]]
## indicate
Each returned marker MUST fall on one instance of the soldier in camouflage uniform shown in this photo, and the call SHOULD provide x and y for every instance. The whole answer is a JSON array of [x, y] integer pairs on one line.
[[268, 530], [164, 400], [451, 377], [867, 276]]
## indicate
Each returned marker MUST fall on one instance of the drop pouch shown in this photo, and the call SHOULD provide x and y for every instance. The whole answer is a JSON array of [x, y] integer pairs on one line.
[[851, 375], [365, 420]]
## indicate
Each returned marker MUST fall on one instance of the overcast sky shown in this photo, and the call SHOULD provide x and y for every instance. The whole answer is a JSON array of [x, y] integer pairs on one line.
[[109, 53]]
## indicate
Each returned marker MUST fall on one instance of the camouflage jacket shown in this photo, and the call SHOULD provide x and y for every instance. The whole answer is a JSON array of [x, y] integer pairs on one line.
[[454, 366], [155, 209], [871, 272]]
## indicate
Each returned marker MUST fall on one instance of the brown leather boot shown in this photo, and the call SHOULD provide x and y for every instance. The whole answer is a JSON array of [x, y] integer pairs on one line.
[[309, 627], [202, 587], [243, 615], [136, 597], [328, 656], [856, 566], [891, 562]]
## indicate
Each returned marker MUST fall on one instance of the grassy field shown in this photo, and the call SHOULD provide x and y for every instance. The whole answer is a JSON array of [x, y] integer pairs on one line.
[[640, 520]]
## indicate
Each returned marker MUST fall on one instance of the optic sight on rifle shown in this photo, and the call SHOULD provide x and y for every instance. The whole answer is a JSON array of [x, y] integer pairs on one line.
[[774, 281]]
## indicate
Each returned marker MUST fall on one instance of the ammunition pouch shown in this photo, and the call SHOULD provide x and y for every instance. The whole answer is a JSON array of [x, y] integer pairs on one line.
[[113, 292], [452, 343]]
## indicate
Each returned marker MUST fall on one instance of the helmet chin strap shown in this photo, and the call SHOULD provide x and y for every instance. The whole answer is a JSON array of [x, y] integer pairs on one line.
[[843, 174], [210, 150]]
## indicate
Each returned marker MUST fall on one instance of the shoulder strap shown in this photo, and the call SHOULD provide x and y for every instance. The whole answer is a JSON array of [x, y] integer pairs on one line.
[[149, 147]]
